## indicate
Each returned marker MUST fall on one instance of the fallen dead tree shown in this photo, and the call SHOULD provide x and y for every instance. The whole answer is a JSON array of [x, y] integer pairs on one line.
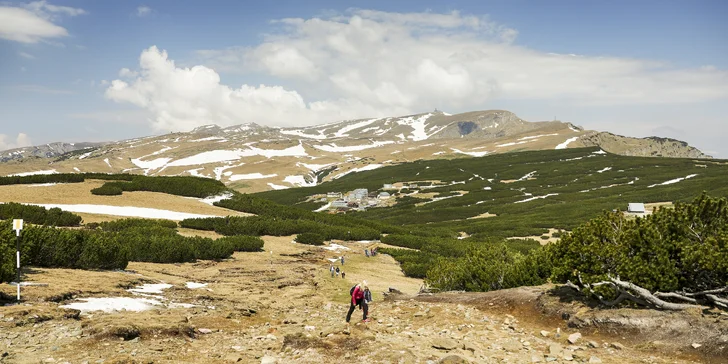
[[627, 291]]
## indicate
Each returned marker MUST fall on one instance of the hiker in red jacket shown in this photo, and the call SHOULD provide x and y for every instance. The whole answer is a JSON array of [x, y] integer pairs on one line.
[[357, 299]]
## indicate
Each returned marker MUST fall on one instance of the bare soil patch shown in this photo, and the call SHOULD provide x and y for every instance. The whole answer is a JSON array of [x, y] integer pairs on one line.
[[551, 238], [483, 216]]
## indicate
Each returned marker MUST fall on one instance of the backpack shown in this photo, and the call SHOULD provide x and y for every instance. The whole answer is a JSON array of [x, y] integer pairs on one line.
[[351, 291]]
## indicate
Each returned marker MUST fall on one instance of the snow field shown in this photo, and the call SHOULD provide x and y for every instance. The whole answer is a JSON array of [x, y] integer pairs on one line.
[[127, 211]]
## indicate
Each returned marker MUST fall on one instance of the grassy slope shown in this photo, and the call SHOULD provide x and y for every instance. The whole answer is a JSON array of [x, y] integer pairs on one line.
[[556, 172]]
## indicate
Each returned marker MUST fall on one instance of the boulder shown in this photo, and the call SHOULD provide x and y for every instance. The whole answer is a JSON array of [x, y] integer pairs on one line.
[[568, 355], [617, 346], [545, 333], [594, 359], [512, 345], [453, 359], [232, 358], [444, 344], [555, 350], [574, 338], [268, 360]]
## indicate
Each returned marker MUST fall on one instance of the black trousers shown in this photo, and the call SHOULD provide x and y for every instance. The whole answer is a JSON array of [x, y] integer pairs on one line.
[[352, 307]]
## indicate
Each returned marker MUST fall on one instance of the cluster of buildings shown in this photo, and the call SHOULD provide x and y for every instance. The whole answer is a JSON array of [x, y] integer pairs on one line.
[[361, 198]]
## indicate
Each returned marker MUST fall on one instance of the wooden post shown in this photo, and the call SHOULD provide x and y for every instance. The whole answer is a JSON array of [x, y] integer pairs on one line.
[[17, 226]]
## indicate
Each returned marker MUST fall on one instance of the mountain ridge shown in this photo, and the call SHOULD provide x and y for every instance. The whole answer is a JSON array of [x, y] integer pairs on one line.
[[253, 158]]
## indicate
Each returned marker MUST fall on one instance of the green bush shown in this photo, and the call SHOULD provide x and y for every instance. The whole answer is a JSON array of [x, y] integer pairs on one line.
[[200, 223], [176, 185], [102, 252], [209, 249], [405, 241], [680, 249], [43, 246], [42, 178], [108, 189], [38, 215], [310, 239], [487, 268], [243, 243], [122, 224]]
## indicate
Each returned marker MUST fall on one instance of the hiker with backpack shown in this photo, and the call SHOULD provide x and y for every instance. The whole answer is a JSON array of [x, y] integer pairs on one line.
[[337, 271], [357, 299]]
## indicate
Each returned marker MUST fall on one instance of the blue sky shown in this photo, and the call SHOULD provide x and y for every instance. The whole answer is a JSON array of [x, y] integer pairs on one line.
[[633, 68]]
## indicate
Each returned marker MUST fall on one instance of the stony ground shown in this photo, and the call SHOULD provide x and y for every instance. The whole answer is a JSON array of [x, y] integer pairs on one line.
[[284, 307]]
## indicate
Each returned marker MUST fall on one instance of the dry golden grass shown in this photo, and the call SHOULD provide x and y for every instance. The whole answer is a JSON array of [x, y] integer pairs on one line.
[[380, 272], [425, 196], [80, 193], [655, 205]]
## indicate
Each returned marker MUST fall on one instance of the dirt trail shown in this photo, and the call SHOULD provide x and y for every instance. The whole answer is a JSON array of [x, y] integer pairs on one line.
[[283, 307]]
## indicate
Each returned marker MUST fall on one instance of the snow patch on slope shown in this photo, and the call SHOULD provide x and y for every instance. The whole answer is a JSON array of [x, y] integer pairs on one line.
[[342, 132], [257, 175], [565, 143], [48, 171], [277, 187], [418, 127], [474, 154], [128, 211], [299, 181], [676, 180], [302, 134], [335, 148], [537, 197], [354, 170]]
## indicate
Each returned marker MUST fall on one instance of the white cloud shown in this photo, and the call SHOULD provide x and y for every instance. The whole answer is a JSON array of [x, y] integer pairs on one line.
[[143, 11], [50, 11], [34, 21], [372, 63], [22, 140], [26, 55], [184, 98], [127, 73]]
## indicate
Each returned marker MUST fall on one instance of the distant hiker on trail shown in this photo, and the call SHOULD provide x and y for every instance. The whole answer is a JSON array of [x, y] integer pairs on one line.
[[332, 270], [366, 252], [343, 275], [342, 260], [337, 271], [357, 299]]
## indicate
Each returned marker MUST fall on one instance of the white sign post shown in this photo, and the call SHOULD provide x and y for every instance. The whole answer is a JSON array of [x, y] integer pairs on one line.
[[17, 226]]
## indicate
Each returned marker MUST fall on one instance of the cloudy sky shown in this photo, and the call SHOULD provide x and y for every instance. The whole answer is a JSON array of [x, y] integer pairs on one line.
[[102, 70]]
